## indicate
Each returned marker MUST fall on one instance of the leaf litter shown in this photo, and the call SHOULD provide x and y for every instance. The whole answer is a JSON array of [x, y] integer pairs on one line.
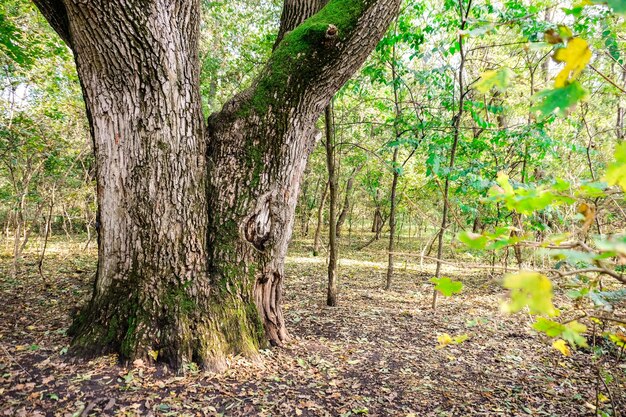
[[375, 354]]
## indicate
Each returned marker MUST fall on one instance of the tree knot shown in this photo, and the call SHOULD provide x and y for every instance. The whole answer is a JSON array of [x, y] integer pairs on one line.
[[259, 226], [332, 32]]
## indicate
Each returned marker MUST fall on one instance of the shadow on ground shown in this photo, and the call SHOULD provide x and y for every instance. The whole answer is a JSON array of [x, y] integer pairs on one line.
[[376, 354]]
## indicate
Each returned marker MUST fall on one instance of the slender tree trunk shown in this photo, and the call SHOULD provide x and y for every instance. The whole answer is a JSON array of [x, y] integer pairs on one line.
[[396, 172], [392, 219], [320, 220], [455, 141], [346, 201], [333, 250], [47, 227], [377, 220], [22, 231], [194, 218], [621, 112], [410, 237], [18, 218], [548, 17], [379, 223], [350, 219]]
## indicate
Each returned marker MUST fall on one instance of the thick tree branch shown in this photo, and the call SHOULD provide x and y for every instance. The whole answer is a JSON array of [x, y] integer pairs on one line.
[[294, 13], [316, 58], [55, 13]]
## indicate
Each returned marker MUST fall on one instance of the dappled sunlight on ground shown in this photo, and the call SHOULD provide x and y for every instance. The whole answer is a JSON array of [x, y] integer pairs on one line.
[[375, 354]]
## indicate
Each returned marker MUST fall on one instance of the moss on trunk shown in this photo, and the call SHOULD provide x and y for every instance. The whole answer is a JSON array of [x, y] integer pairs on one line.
[[172, 325]]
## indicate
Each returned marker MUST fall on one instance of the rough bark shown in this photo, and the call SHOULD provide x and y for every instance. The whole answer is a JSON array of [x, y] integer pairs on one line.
[[294, 13], [194, 221], [139, 73], [269, 131]]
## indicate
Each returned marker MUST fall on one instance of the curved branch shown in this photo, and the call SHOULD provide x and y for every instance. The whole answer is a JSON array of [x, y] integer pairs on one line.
[[55, 13], [316, 58]]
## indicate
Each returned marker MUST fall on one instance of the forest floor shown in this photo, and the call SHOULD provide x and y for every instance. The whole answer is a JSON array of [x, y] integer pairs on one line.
[[375, 354]]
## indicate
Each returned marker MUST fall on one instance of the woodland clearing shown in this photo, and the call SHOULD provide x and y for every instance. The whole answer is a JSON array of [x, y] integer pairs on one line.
[[375, 354]]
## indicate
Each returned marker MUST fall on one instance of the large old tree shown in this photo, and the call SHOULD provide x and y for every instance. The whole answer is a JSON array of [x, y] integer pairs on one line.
[[195, 215]]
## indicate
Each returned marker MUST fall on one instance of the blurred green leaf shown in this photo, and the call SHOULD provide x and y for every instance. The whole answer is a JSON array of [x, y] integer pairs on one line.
[[446, 286]]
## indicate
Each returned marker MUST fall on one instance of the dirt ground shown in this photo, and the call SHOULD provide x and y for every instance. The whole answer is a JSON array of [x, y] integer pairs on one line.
[[376, 354]]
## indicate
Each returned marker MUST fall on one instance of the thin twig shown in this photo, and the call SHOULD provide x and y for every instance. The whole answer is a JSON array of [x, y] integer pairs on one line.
[[6, 352], [608, 79]]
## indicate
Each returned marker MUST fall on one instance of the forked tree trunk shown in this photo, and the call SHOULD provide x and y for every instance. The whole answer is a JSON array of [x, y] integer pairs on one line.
[[194, 220]]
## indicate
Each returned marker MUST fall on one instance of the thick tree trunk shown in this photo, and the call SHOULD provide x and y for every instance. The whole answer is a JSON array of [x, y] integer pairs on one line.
[[194, 222], [260, 142], [253, 190], [139, 73]]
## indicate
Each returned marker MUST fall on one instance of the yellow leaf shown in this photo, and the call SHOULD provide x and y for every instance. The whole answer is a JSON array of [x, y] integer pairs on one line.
[[590, 215], [576, 55], [620, 336], [530, 289], [154, 354], [562, 347], [499, 79], [444, 340], [616, 171]]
